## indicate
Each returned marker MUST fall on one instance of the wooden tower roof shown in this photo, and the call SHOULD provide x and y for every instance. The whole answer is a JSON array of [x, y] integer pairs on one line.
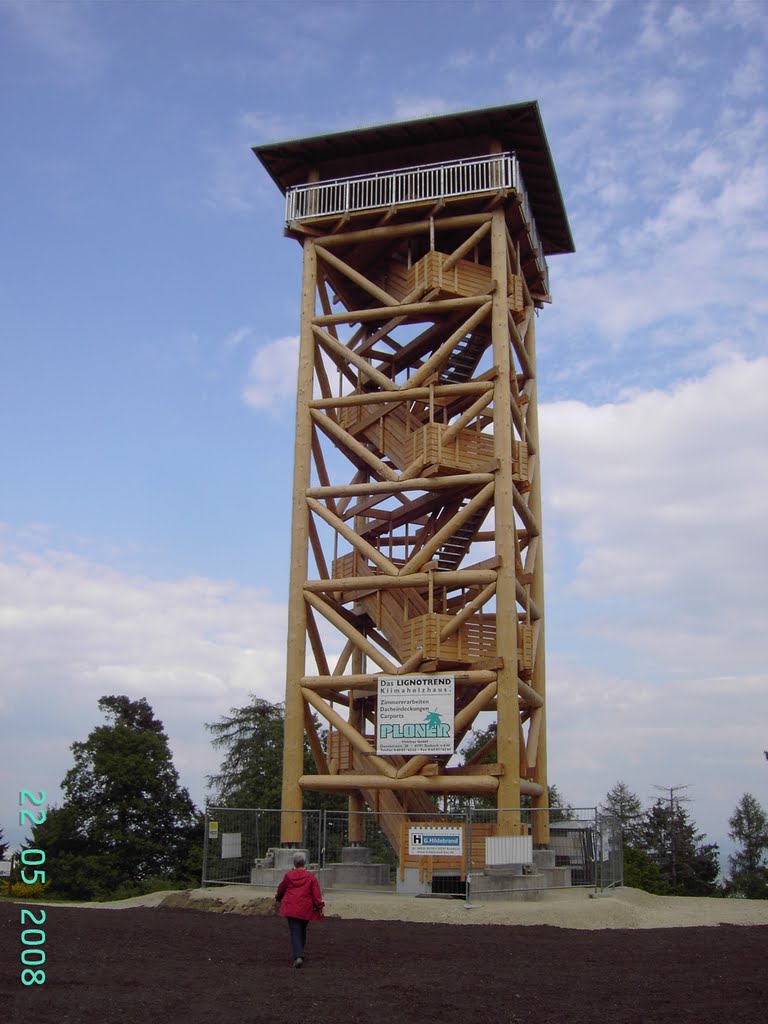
[[517, 127]]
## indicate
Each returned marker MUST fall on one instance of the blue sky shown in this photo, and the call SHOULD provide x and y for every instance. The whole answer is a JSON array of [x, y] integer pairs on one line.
[[148, 314]]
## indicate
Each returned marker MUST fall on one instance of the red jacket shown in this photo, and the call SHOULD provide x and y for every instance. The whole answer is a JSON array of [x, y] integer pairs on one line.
[[300, 896]]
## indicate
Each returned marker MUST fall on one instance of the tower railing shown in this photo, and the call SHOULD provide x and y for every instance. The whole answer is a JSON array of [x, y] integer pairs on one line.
[[423, 182]]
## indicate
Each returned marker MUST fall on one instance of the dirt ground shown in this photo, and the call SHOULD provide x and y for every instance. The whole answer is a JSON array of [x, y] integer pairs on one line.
[[607, 961]]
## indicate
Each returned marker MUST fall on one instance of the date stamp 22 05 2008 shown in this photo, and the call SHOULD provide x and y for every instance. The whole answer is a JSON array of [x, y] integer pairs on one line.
[[32, 873]]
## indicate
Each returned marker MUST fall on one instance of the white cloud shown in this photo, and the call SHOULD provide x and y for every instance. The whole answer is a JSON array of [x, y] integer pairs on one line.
[[604, 727], [583, 24], [749, 75], [237, 337], [72, 631], [272, 375], [665, 500], [656, 541]]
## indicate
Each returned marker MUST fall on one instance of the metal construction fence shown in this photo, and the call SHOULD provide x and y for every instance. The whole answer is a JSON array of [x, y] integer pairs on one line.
[[581, 840]]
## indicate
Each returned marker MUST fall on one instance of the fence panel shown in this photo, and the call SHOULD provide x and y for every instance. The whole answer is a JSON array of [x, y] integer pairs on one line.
[[378, 832], [586, 844], [236, 837], [585, 848]]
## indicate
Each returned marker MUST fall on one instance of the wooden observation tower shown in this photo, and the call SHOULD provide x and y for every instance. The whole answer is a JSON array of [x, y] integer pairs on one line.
[[416, 529]]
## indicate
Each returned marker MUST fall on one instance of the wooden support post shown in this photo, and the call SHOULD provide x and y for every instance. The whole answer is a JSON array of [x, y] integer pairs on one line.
[[538, 678], [355, 804], [291, 824], [508, 728]]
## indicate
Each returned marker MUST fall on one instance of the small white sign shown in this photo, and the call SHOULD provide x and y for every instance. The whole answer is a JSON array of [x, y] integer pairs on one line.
[[230, 845], [435, 842], [213, 830], [5, 869], [415, 715]]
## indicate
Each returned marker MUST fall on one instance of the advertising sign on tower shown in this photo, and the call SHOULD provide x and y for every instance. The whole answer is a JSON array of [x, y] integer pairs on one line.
[[415, 715]]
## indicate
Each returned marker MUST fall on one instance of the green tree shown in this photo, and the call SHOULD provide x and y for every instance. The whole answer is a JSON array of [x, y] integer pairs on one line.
[[251, 738], [124, 818], [685, 863], [251, 772], [625, 805], [559, 808], [640, 872], [749, 871]]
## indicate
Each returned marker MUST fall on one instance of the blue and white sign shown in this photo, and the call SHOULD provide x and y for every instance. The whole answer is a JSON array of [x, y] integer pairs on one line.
[[435, 842], [415, 715]]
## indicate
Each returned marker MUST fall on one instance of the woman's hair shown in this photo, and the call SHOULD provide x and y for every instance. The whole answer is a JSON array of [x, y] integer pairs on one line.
[[299, 860]]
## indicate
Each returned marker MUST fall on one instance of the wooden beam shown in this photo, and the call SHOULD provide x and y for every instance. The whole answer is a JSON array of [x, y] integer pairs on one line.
[[508, 745], [529, 695], [405, 395], [349, 631], [477, 784], [355, 276], [465, 480], [318, 754], [322, 472], [487, 748], [465, 247], [317, 550], [431, 546], [358, 543], [317, 644], [468, 714], [418, 227], [474, 677], [344, 657], [468, 610], [360, 743], [524, 512], [345, 440], [475, 769], [453, 580], [291, 828], [466, 417], [322, 376], [332, 346], [408, 310], [438, 357]]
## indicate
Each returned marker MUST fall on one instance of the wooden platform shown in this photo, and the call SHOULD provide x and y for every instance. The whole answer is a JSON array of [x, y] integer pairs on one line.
[[461, 280]]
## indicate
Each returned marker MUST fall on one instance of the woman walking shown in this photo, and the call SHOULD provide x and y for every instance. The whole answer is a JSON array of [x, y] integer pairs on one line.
[[300, 901]]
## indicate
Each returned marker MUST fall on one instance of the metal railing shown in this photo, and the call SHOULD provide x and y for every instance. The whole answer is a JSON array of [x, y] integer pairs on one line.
[[421, 183]]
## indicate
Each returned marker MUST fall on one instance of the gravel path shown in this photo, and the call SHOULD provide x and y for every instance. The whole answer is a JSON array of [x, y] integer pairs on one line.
[[571, 908]]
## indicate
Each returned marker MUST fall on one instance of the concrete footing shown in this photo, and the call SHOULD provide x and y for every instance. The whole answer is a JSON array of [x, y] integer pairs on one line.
[[355, 870]]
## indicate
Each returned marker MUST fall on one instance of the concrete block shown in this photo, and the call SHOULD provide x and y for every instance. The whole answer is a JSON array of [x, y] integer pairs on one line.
[[543, 859], [485, 887], [411, 885], [357, 875], [284, 857], [355, 855]]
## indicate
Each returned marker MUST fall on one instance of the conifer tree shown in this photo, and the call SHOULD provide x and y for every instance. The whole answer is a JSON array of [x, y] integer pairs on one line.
[[124, 818]]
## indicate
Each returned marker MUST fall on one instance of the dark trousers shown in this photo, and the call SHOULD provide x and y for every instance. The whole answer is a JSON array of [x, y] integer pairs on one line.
[[298, 932]]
